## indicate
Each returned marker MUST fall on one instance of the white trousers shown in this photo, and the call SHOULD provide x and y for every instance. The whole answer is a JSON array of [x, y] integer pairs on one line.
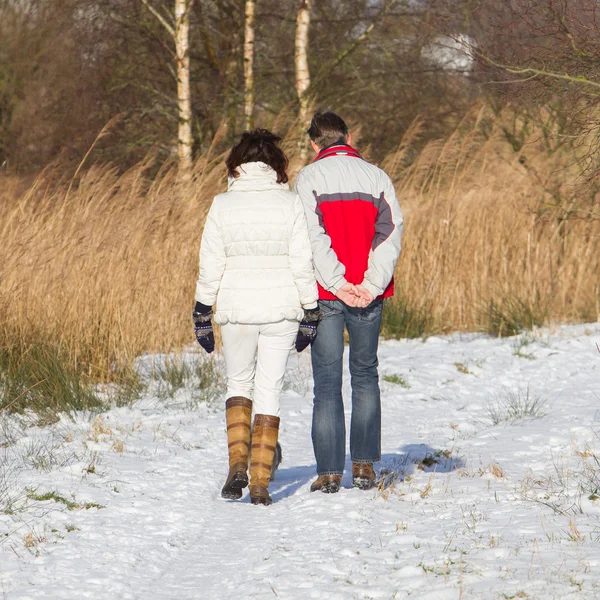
[[256, 357]]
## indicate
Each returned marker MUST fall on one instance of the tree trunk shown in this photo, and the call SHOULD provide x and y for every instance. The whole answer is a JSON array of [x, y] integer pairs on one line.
[[302, 72], [249, 65], [184, 99]]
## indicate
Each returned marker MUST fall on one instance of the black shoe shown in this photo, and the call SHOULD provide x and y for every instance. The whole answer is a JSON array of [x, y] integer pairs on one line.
[[237, 480]]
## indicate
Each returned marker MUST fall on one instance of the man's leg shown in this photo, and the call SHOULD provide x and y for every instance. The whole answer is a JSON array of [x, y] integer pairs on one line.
[[365, 429], [328, 427]]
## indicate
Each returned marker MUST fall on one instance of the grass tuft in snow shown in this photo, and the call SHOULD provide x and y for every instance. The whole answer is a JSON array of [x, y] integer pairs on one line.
[[396, 380], [56, 497], [40, 377], [520, 344], [432, 459], [45, 453], [509, 406], [401, 319], [199, 377], [511, 315], [10, 495], [573, 481], [127, 387]]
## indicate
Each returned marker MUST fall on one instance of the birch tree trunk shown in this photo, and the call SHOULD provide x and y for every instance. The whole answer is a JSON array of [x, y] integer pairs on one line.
[[184, 98], [249, 64], [181, 36], [302, 72]]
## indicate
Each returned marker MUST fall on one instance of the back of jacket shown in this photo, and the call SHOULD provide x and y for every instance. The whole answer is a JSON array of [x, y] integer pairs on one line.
[[354, 221], [255, 256]]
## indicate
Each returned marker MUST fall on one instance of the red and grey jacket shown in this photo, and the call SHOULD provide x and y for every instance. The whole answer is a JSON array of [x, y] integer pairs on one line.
[[354, 221]]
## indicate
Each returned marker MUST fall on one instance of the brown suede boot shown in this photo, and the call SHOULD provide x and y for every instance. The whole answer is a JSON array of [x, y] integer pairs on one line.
[[328, 484], [264, 441], [238, 413], [363, 476]]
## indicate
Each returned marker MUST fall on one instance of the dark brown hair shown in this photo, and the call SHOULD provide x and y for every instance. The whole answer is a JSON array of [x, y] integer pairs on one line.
[[327, 128], [258, 145]]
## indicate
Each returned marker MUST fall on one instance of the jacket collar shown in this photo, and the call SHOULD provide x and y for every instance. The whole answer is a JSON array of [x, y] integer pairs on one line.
[[255, 176], [338, 149]]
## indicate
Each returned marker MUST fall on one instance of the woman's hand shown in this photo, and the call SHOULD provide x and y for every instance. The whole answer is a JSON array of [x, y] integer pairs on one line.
[[203, 328], [307, 331]]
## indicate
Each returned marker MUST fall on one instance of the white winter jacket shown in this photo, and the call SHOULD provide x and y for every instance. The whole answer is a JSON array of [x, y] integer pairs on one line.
[[255, 255]]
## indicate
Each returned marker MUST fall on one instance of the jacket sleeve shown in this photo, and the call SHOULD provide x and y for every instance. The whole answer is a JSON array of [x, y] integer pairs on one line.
[[386, 243], [301, 259], [212, 259], [329, 270]]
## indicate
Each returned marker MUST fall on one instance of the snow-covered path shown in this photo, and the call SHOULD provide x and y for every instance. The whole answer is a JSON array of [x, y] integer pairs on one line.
[[489, 487]]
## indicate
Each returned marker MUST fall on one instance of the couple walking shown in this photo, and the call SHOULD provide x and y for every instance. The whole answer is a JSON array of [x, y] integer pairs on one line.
[[322, 255]]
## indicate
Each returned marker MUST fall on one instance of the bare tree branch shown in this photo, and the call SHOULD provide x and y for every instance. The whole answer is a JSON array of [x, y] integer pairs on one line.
[[162, 20], [531, 71], [352, 46]]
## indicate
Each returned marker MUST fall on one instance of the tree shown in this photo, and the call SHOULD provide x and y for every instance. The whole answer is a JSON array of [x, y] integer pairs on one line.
[[67, 67], [541, 56], [302, 71], [180, 33], [249, 64], [550, 45]]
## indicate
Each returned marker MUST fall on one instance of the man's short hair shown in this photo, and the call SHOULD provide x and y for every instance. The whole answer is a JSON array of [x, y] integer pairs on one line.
[[326, 128]]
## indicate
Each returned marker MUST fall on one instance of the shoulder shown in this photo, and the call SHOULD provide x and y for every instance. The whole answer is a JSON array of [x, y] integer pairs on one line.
[[306, 172], [220, 199], [285, 197], [374, 169]]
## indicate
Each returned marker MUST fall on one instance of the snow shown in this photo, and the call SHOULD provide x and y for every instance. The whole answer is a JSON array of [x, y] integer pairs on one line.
[[470, 505]]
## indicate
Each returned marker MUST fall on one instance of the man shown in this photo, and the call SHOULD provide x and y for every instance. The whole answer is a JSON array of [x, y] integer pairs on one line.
[[355, 226]]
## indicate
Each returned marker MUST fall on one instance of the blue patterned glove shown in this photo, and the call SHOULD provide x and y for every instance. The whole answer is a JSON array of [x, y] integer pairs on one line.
[[203, 328], [307, 332]]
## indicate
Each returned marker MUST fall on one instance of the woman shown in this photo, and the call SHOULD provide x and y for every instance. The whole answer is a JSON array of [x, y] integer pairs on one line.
[[256, 263]]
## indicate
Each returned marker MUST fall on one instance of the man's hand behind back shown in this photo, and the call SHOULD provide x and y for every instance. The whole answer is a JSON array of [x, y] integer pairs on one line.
[[355, 296], [365, 296], [348, 294]]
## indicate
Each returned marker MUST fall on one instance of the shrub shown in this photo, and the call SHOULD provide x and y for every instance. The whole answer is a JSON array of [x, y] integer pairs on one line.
[[511, 315], [402, 319], [198, 376], [40, 376]]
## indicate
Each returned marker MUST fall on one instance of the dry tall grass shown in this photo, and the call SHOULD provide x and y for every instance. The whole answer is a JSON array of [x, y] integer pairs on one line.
[[487, 223], [106, 265]]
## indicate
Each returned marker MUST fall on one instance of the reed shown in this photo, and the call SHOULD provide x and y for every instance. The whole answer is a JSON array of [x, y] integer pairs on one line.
[[497, 240], [103, 266]]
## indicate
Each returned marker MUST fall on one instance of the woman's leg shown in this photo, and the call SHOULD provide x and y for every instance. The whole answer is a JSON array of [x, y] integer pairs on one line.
[[240, 342], [239, 347], [275, 342]]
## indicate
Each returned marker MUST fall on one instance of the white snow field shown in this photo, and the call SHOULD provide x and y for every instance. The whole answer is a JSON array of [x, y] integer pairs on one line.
[[490, 486]]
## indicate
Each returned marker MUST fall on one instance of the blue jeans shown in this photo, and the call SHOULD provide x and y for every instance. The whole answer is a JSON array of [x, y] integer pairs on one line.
[[328, 426]]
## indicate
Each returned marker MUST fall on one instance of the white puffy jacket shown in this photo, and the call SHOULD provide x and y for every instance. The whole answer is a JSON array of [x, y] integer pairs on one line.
[[255, 256]]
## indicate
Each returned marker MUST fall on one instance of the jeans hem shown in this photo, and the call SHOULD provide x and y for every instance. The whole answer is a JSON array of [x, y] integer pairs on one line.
[[325, 473], [366, 461]]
